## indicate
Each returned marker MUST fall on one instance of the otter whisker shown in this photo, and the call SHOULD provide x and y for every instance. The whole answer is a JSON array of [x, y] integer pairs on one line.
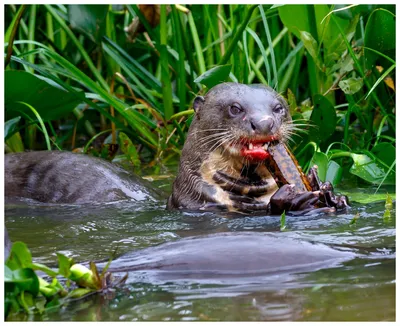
[[213, 136], [218, 142], [212, 140], [228, 140], [214, 129]]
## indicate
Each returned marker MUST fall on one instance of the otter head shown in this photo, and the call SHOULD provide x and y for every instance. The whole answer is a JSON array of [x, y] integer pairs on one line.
[[242, 120]]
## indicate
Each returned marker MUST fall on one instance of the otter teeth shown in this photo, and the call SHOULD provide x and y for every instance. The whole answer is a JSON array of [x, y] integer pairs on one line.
[[266, 145], [250, 146]]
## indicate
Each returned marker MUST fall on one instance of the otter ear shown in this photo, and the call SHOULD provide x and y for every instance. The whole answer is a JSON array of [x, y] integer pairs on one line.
[[197, 103]]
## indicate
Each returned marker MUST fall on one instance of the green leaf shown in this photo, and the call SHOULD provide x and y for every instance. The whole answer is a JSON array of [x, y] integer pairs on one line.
[[46, 289], [41, 123], [8, 274], [120, 55], [382, 77], [50, 102], [295, 18], [263, 53], [334, 173], [40, 304], [95, 276], [388, 202], [369, 169], [89, 19], [323, 119], [283, 221], [321, 160], [312, 47], [20, 256], [387, 217], [351, 85], [26, 280], [64, 265], [82, 276], [328, 32], [134, 118], [10, 127], [365, 196], [380, 34], [386, 152], [44, 268], [214, 76], [354, 219], [27, 301], [129, 149]]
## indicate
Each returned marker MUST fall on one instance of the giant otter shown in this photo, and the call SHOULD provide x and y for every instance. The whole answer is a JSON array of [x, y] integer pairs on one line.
[[64, 177], [224, 161], [232, 254]]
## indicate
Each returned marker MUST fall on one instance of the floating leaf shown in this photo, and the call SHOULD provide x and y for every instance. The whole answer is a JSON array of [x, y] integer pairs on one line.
[[354, 219], [20, 256], [388, 202], [26, 280], [46, 289], [64, 265], [387, 217], [44, 268]]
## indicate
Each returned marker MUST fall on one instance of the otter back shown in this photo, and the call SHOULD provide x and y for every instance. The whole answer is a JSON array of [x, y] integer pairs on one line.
[[223, 255], [65, 177]]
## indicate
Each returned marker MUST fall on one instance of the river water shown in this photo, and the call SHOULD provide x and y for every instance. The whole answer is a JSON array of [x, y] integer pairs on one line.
[[359, 289]]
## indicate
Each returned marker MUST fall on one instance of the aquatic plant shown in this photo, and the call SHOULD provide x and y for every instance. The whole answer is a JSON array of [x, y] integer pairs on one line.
[[25, 290]]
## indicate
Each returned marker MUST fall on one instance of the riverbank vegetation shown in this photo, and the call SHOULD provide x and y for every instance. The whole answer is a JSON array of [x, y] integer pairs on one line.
[[95, 78]]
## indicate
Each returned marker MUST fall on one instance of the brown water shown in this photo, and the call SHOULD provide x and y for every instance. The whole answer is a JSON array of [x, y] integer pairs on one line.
[[360, 289]]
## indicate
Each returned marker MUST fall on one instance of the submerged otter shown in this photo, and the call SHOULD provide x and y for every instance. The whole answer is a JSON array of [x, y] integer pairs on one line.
[[64, 177], [223, 164]]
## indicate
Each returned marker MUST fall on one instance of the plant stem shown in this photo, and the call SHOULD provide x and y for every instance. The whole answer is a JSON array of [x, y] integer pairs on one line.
[[237, 36]]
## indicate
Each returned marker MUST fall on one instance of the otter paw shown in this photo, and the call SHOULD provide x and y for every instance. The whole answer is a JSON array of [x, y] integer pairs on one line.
[[247, 204], [287, 199], [329, 199]]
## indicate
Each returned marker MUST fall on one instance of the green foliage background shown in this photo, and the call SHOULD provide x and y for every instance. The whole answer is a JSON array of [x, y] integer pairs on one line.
[[73, 79]]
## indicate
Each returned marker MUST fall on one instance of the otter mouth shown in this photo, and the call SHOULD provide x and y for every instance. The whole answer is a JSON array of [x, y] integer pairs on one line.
[[256, 149]]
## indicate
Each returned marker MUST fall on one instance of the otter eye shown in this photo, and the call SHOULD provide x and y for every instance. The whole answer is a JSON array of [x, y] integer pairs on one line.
[[278, 108], [235, 110]]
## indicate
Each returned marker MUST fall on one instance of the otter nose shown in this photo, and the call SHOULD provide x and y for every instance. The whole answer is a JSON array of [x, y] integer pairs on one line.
[[263, 125]]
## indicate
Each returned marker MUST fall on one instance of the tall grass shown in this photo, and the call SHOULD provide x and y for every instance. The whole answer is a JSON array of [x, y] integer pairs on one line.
[[307, 49]]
